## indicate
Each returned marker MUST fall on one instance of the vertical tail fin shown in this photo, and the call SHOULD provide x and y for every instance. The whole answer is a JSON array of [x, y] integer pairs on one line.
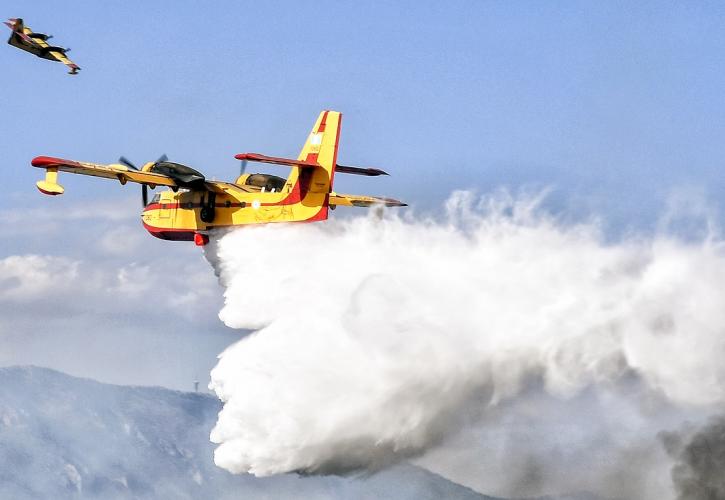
[[321, 144], [315, 184], [15, 24]]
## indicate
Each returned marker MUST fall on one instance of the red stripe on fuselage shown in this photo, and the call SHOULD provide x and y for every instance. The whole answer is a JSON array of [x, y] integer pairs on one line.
[[170, 233]]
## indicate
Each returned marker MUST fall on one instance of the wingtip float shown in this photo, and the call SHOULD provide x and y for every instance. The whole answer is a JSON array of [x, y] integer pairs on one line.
[[37, 44], [194, 206]]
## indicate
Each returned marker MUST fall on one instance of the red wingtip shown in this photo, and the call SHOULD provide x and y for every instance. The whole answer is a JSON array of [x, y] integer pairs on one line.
[[50, 161], [45, 161]]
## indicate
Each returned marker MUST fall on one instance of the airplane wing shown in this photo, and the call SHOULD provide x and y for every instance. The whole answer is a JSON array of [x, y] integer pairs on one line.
[[354, 200], [58, 54], [118, 172]]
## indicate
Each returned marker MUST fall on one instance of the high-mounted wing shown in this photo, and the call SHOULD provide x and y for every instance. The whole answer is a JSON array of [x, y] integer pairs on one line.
[[118, 172], [354, 200], [158, 174], [24, 38]]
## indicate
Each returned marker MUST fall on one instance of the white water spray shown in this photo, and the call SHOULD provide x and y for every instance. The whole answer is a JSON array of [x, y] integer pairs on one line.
[[378, 336]]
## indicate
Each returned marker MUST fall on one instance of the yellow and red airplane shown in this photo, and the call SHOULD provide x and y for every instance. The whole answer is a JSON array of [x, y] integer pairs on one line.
[[25, 39], [194, 206]]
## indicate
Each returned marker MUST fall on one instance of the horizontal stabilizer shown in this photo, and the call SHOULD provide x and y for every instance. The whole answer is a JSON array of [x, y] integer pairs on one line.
[[370, 172], [276, 160], [355, 200]]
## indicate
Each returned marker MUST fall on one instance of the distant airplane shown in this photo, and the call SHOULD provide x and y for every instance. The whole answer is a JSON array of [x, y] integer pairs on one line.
[[195, 206], [25, 39]]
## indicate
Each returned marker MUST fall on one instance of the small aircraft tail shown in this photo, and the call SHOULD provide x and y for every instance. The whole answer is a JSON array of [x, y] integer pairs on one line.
[[315, 184], [321, 144], [15, 24]]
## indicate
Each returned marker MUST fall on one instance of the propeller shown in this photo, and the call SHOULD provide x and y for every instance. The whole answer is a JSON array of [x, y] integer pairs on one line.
[[124, 161], [144, 188]]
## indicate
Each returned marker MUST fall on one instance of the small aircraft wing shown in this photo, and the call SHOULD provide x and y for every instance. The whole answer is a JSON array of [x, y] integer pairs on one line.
[[354, 200], [121, 173]]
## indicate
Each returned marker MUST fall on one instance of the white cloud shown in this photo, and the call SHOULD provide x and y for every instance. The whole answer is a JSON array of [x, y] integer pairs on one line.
[[105, 299], [26, 278], [123, 241]]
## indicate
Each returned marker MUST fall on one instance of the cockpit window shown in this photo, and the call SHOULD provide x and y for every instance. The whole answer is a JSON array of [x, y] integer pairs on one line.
[[269, 183], [156, 198]]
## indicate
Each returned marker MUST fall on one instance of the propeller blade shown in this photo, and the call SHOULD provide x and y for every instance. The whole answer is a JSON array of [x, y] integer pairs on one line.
[[144, 194], [124, 161]]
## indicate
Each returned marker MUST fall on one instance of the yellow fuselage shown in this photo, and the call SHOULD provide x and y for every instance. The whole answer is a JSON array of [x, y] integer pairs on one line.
[[178, 216]]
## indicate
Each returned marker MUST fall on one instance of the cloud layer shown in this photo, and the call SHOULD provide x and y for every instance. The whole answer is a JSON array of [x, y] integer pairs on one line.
[[92, 294]]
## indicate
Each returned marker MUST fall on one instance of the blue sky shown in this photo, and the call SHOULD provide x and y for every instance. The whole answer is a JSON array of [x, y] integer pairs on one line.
[[615, 105], [613, 102]]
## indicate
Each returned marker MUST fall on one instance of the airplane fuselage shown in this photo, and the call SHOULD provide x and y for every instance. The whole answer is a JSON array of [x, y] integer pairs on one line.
[[180, 216]]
